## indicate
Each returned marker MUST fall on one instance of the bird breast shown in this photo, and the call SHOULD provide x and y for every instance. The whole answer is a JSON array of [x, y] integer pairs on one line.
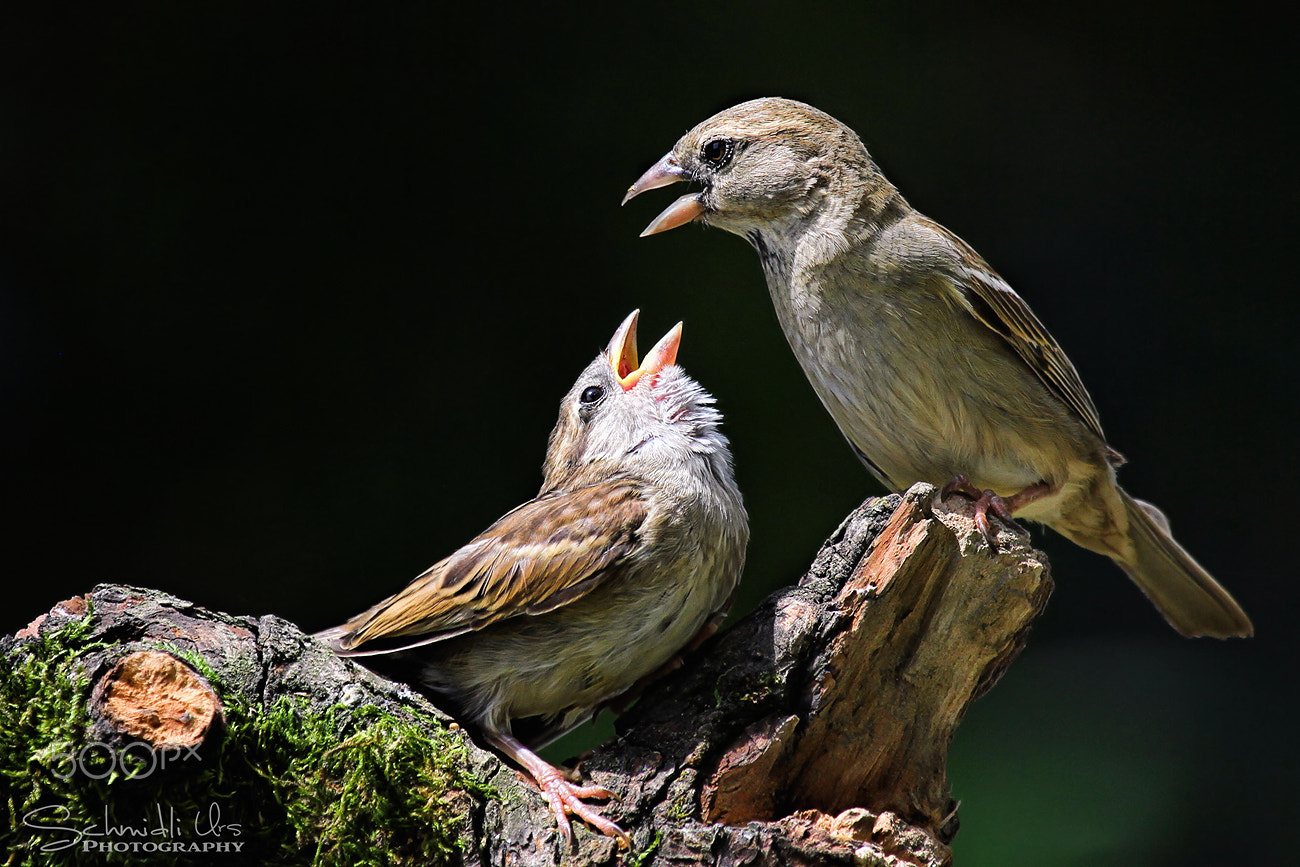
[[919, 402], [648, 608]]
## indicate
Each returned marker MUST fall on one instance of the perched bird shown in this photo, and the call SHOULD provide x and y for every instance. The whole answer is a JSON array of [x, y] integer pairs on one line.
[[631, 551], [933, 368]]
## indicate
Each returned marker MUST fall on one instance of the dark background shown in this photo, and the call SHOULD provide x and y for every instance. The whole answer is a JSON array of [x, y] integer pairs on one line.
[[289, 295]]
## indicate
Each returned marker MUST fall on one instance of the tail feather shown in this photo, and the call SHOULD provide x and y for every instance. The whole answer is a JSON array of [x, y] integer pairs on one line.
[[334, 638], [1192, 601]]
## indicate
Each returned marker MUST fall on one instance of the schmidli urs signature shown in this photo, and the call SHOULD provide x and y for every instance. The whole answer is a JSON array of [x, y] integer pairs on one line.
[[160, 832]]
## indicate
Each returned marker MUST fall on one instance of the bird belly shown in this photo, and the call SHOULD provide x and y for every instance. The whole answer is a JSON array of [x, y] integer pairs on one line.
[[921, 404], [591, 650]]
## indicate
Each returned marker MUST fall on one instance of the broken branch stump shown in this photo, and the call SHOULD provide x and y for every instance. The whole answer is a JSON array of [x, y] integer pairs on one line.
[[814, 731]]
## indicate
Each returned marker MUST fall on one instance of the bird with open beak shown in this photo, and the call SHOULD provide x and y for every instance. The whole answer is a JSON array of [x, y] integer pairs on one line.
[[631, 552], [933, 368]]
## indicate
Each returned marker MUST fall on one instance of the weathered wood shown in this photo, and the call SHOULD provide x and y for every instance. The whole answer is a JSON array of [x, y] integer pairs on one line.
[[831, 707], [814, 731]]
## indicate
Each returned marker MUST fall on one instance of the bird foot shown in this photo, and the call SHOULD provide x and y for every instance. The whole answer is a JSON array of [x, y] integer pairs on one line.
[[564, 797], [986, 501]]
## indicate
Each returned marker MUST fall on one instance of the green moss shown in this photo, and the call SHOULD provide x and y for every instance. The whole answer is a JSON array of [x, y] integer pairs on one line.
[[680, 812], [281, 782], [640, 859], [193, 660], [388, 793]]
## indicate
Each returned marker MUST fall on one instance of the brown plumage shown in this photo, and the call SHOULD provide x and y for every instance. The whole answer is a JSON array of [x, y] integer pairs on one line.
[[542, 555], [631, 551], [932, 366]]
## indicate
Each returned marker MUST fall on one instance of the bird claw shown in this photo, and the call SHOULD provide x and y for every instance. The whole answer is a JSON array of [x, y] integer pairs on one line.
[[565, 798], [985, 501]]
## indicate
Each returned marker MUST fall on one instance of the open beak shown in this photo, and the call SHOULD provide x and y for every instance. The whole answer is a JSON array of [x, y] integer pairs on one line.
[[680, 212], [622, 352]]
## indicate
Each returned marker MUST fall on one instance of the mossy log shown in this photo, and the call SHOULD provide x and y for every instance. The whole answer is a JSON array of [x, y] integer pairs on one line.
[[815, 731]]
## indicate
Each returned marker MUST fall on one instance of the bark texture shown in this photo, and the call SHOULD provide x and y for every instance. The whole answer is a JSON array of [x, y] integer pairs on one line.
[[814, 731]]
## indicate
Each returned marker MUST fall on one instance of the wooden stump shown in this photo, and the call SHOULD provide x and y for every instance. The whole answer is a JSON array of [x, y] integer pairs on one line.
[[814, 731]]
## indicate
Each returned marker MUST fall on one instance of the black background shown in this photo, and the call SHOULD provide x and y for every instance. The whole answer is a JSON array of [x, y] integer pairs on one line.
[[289, 295]]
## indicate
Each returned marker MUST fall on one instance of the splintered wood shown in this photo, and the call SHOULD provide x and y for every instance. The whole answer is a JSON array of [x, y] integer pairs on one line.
[[928, 621], [814, 731]]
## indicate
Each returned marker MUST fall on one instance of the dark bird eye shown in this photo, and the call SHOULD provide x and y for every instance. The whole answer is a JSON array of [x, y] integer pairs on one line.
[[717, 153], [592, 393]]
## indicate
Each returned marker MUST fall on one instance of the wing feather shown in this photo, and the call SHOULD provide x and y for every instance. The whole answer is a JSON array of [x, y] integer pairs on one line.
[[541, 556], [994, 303]]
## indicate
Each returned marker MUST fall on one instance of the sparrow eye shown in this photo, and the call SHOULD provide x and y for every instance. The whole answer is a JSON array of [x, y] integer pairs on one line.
[[717, 153], [591, 394]]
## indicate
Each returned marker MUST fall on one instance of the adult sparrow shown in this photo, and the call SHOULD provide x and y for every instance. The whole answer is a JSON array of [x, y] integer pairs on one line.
[[632, 550], [933, 368]]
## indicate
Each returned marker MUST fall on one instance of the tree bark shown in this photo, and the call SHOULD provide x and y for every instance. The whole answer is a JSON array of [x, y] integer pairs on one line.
[[814, 731]]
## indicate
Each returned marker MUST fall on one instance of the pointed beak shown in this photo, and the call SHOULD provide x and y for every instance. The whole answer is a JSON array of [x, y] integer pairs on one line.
[[622, 352], [661, 174], [680, 212], [622, 348]]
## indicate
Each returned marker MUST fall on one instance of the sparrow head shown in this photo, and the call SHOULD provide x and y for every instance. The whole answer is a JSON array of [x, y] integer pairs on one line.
[[764, 163], [622, 415]]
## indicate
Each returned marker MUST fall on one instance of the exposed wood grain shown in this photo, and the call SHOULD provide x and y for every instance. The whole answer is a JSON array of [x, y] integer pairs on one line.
[[814, 731]]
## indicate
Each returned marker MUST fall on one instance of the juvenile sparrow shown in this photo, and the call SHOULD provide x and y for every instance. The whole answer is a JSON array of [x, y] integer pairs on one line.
[[632, 549], [933, 368]]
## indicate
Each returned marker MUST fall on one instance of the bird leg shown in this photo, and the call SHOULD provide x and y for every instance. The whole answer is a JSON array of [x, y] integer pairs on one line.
[[563, 796], [986, 501]]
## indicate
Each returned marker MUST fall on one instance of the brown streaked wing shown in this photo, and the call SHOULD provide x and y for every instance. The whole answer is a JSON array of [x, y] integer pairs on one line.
[[538, 557], [994, 303]]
